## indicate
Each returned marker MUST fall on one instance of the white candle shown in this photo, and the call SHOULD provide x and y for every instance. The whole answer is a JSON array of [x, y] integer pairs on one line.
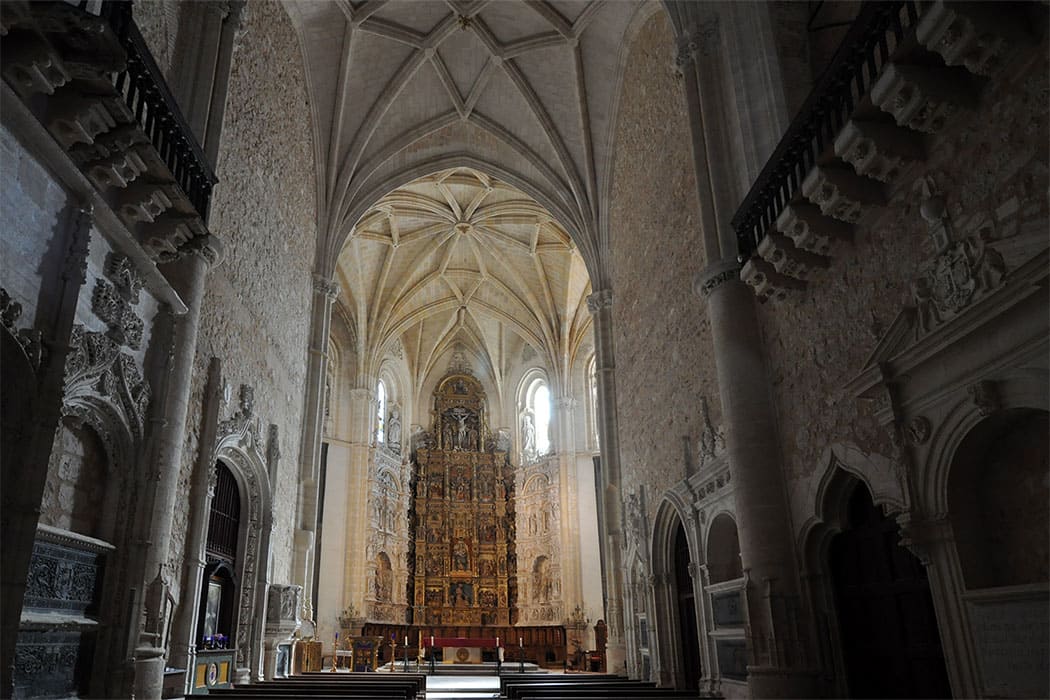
[[406, 640], [431, 640], [497, 641], [519, 641]]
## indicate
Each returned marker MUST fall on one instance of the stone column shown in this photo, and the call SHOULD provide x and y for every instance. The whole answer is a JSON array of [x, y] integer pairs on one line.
[[355, 563], [600, 305], [706, 624], [202, 74], [161, 487], [565, 450], [325, 293], [779, 657], [32, 434], [184, 634], [933, 542]]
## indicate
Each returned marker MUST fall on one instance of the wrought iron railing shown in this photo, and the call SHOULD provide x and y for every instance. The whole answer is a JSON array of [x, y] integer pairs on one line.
[[157, 113], [879, 28]]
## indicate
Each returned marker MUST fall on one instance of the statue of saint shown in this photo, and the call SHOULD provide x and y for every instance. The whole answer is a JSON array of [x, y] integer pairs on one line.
[[528, 434], [393, 430]]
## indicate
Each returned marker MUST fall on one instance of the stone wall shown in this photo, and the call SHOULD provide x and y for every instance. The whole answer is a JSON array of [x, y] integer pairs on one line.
[[994, 181], [35, 225], [663, 351], [158, 22], [256, 309]]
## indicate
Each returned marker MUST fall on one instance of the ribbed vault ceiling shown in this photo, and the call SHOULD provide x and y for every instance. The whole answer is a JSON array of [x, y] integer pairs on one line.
[[458, 257], [523, 90]]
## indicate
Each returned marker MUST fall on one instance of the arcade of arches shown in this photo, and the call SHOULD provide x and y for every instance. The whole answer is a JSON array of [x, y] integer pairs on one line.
[[708, 337]]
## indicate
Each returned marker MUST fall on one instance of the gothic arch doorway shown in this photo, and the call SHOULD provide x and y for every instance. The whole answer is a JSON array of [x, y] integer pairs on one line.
[[685, 597], [890, 643]]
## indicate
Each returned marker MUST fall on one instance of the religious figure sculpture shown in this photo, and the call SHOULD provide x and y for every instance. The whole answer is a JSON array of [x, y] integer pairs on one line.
[[528, 434], [460, 556], [393, 430]]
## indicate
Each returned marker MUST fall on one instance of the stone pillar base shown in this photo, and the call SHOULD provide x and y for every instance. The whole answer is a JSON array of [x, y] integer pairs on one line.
[[616, 659]]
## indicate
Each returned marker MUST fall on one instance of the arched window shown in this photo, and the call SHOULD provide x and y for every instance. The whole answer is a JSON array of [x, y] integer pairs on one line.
[[541, 409], [381, 412], [592, 394]]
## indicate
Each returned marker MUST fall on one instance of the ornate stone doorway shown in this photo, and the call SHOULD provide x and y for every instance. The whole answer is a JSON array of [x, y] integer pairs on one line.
[[890, 643], [686, 599]]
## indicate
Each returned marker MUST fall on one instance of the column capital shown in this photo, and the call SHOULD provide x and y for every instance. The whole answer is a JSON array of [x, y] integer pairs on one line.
[[714, 276], [208, 247], [601, 299], [326, 286]]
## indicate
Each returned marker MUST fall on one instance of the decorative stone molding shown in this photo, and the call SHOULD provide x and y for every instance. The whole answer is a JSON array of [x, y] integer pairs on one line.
[[244, 422], [922, 98], [28, 338], [323, 285], [985, 395], [916, 431], [282, 610], [125, 327], [711, 443], [714, 276], [840, 193], [979, 36], [602, 299], [789, 260], [31, 65], [96, 367], [876, 150], [125, 278], [919, 536], [766, 282], [811, 230], [967, 271], [694, 570], [697, 42], [634, 525]]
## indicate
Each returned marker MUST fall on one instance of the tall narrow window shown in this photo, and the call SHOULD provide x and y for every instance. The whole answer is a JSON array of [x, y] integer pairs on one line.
[[541, 409], [381, 412], [592, 379]]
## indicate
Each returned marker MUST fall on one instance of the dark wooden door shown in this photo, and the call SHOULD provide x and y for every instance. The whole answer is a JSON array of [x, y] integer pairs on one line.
[[890, 642]]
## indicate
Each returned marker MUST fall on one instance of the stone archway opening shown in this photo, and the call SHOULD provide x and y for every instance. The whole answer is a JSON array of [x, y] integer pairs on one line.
[[998, 493], [891, 645], [687, 619], [723, 550]]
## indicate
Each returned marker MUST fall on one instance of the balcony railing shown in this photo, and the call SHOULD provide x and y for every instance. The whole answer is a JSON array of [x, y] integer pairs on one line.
[[875, 34], [156, 112]]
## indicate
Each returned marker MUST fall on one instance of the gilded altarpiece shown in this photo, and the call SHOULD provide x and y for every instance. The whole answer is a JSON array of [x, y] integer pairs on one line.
[[464, 516]]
